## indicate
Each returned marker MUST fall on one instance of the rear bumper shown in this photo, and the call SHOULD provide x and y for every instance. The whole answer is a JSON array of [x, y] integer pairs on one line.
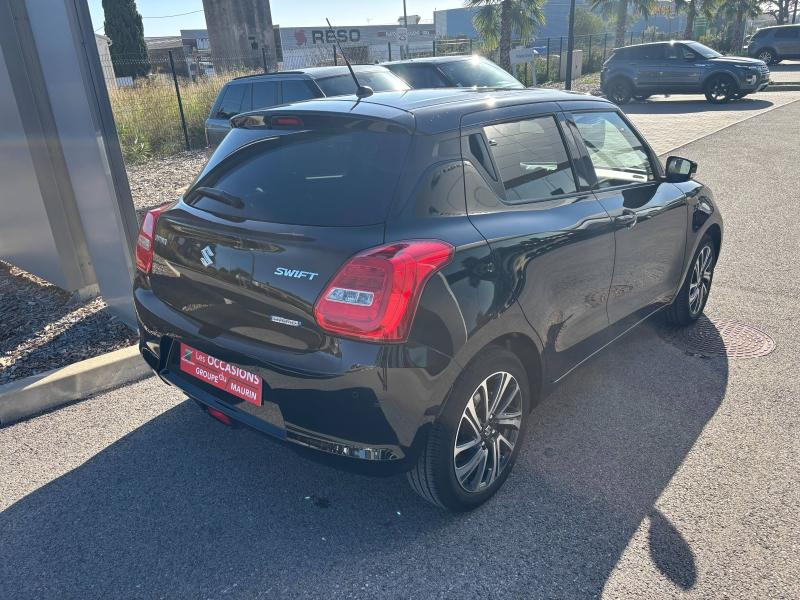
[[354, 400]]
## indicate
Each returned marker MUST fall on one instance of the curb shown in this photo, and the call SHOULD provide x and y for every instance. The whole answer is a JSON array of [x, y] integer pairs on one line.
[[783, 87], [45, 391]]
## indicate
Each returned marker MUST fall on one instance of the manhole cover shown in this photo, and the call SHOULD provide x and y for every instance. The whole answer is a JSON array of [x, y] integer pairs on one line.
[[721, 337]]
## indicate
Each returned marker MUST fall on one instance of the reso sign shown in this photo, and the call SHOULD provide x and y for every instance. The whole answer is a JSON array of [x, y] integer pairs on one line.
[[331, 36]]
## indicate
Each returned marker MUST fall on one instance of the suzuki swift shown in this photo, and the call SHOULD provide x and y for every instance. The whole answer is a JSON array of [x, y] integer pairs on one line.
[[395, 281]]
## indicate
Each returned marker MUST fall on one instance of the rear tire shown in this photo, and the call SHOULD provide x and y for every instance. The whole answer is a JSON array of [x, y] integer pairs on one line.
[[769, 56], [720, 89], [619, 91], [686, 308], [443, 474]]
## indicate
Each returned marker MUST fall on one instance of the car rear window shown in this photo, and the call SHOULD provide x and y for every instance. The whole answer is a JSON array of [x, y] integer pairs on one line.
[[342, 173], [341, 85]]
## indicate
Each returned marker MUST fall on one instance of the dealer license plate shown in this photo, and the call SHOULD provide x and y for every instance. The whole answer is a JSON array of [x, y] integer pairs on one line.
[[222, 375]]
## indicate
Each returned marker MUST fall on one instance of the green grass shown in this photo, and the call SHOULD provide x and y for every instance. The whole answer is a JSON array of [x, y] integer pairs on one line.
[[147, 116]]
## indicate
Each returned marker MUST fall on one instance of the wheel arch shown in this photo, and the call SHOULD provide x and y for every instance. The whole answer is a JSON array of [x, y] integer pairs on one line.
[[715, 232], [724, 73], [526, 350]]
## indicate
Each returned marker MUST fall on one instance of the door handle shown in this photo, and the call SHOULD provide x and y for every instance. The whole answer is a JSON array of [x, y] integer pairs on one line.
[[627, 219]]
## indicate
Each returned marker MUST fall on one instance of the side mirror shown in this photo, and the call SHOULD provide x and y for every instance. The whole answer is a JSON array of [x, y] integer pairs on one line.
[[680, 169]]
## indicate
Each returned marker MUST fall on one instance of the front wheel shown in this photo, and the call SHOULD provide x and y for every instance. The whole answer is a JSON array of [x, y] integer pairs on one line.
[[474, 443], [768, 56], [693, 295], [720, 90], [619, 91]]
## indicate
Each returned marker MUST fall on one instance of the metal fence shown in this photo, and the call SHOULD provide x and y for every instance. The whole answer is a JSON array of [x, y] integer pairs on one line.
[[160, 104]]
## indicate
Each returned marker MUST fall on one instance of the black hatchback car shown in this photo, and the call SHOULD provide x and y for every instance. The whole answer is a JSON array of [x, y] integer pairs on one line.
[[250, 92], [395, 281]]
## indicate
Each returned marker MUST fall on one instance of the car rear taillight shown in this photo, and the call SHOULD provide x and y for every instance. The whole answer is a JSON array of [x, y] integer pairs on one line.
[[375, 294], [144, 243]]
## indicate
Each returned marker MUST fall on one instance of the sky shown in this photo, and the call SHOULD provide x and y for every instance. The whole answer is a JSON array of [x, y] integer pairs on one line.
[[287, 13]]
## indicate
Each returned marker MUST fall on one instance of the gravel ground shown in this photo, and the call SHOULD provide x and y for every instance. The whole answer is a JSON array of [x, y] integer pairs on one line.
[[160, 180], [42, 327], [587, 84]]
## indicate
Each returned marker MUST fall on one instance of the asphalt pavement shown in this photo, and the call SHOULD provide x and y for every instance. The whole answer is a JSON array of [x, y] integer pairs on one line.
[[649, 474]]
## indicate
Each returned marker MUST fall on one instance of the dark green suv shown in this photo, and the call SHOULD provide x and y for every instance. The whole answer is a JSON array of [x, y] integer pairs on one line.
[[680, 68]]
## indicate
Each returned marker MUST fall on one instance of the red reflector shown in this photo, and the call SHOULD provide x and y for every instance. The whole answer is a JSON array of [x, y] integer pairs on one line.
[[144, 243], [286, 122], [219, 416], [375, 294]]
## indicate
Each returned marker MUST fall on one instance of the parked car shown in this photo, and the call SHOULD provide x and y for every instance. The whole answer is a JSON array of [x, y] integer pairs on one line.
[[395, 281], [262, 91], [773, 44], [453, 71], [680, 68]]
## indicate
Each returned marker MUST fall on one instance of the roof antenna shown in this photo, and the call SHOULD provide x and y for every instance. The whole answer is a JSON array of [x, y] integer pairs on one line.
[[362, 91]]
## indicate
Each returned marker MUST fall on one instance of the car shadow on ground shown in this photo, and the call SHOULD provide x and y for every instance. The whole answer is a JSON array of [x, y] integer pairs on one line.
[[185, 507], [666, 106]]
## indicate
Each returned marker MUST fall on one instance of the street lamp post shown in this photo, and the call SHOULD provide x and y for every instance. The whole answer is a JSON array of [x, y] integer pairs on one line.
[[570, 45]]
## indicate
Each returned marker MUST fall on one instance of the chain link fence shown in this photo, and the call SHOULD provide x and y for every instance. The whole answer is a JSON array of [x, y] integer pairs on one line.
[[161, 110]]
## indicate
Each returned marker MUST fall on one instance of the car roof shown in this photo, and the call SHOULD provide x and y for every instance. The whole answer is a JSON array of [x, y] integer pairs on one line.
[[784, 26], [314, 72], [434, 59], [435, 110]]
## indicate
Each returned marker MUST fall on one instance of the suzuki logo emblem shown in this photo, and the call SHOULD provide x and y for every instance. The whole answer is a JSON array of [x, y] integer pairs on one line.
[[207, 256]]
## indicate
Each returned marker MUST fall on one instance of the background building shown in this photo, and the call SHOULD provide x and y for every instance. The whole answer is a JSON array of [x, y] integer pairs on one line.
[[457, 22], [240, 30]]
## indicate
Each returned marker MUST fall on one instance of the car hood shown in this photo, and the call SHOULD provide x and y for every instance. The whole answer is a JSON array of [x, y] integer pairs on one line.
[[738, 60]]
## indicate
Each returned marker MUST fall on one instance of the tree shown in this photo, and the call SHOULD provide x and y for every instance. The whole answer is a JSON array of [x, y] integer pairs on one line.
[[497, 20], [123, 25], [588, 23], [736, 12], [620, 9], [779, 9], [693, 8]]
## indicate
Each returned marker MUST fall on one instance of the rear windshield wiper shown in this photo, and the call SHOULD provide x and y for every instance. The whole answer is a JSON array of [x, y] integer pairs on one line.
[[218, 195]]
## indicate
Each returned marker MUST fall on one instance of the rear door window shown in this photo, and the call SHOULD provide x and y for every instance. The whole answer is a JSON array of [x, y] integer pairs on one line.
[[477, 72], [379, 81], [336, 172], [233, 101], [787, 33], [295, 90], [618, 156], [420, 76], [531, 159], [265, 93]]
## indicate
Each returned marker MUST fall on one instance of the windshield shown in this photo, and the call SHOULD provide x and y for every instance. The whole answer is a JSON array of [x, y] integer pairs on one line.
[[340, 172], [478, 72], [379, 81], [702, 50]]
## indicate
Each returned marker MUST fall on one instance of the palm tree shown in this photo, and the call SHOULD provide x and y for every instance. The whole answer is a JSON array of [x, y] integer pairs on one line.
[[737, 12], [620, 10], [506, 17], [692, 9]]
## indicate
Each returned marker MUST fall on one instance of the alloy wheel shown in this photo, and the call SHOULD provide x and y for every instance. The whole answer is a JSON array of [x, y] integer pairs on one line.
[[766, 56], [720, 89], [700, 284], [487, 432]]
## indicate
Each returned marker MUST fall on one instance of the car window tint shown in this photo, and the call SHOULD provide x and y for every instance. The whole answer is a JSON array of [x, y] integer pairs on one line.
[[265, 93], [652, 52], [617, 154], [687, 53], [379, 81], [478, 72], [478, 149], [531, 159], [232, 100], [342, 172], [787, 33], [295, 90], [421, 76]]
